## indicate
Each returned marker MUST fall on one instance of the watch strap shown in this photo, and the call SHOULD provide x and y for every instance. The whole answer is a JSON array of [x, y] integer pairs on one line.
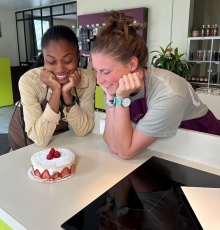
[[110, 199], [71, 104], [117, 101], [109, 103], [121, 211], [125, 102]]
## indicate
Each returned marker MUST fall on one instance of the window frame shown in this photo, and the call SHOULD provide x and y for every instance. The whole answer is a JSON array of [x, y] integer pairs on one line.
[[26, 36]]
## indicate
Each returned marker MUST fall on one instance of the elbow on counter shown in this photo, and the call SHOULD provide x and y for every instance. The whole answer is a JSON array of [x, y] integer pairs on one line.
[[122, 156], [113, 149], [128, 154], [84, 131], [40, 141], [125, 156], [82, 134], [42, 144]]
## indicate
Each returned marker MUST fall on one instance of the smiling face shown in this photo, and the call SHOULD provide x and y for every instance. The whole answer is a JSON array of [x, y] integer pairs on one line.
[[109, 71], [61, 59]]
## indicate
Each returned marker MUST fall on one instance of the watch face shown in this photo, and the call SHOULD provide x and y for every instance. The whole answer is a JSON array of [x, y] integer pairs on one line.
[[124, 210], [121, 211], [126, 102]]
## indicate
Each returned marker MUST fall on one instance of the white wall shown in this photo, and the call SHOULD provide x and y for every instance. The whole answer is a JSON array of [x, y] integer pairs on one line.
[[213, 103], [8, 41], [180, 30], [159, 23]]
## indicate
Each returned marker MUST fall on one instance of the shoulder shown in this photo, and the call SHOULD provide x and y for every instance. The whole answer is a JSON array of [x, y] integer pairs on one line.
[[32, 75], [166, 82], [88, 78], [30, 81]]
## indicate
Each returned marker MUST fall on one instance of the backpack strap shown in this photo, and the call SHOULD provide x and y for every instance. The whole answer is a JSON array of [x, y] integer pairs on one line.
[[77, 98], [22, 119]]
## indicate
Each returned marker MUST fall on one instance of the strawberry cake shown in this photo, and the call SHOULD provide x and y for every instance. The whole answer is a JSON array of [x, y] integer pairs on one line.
[[53, 164]]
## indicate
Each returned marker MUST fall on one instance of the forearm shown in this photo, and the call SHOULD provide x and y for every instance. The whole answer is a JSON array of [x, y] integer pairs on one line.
[[109, 129], [123, 133], [40, 126], [54, 100], [81, 120], [43, 129], [81, 116]]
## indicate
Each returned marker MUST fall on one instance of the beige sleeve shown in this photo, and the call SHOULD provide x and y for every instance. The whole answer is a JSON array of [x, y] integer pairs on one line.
[[39, 125], [81, 117]]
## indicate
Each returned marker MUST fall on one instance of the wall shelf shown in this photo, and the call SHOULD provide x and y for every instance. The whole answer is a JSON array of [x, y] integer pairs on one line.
[[204, 55]]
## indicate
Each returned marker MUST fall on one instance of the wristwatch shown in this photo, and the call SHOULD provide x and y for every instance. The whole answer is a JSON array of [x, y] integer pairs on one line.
[[121, 211], [74, 100], [123, 102]]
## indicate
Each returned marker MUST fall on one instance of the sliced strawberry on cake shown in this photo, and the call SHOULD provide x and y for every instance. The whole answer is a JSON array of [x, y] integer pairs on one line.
[[65, 172], [46, 174], [37, 173], [55, 175]]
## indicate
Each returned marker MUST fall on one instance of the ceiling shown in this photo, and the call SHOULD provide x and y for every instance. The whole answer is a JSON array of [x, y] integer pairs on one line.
[[16, 5]]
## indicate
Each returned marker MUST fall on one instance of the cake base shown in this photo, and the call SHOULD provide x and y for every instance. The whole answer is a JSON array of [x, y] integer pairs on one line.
[[32, 177]]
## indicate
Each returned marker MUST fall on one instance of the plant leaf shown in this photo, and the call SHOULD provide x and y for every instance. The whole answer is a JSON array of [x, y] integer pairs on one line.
[[171, 61]]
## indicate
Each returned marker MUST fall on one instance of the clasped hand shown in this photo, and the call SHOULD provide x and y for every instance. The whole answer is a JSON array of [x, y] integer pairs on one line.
[[127, 84], [49, 79]]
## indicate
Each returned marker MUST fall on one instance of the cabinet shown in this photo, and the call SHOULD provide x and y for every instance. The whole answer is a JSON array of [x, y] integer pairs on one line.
[[6, 97], [204, 55], [16, 73]]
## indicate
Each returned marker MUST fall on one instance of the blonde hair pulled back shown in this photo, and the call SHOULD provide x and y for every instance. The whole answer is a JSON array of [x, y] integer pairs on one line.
[[119, 39]]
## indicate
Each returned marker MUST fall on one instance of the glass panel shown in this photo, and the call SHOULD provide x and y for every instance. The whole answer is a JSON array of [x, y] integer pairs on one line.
[[63, 20], [31, 27], [37, 13], [21, 41], [45, 26], [29, 40], [27, 14], [46, 12], [57, 10], [40, 28], [70, 8], [19, 15]]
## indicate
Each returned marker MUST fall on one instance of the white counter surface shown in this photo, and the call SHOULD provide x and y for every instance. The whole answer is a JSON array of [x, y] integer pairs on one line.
[[46, 206], [205, 203]]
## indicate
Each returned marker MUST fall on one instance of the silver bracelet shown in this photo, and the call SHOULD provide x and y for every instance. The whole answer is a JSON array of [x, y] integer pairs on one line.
[[110, 106], [111, 102]]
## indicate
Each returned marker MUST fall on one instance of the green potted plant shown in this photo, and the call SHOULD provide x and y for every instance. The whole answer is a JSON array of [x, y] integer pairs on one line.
[[195, 31], [172, 61]]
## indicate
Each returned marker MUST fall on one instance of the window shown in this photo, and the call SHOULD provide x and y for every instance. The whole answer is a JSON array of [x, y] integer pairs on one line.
[[40, 28], [32, 23]]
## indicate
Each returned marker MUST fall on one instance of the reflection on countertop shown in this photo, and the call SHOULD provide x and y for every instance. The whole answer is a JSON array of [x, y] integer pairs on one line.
[[148, 198]]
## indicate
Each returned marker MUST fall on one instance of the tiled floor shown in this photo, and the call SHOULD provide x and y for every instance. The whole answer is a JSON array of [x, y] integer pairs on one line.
[[5, 115]]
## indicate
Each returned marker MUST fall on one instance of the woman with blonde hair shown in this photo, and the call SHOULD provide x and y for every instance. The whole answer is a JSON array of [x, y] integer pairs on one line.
[[157, 100]]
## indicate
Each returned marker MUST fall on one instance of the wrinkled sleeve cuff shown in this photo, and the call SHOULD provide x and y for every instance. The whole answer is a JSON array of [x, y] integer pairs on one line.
[[73, 114], [50, 115]]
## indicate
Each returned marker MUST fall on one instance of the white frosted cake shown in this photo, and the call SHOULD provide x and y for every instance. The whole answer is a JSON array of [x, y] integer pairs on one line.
[[53, 164]]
